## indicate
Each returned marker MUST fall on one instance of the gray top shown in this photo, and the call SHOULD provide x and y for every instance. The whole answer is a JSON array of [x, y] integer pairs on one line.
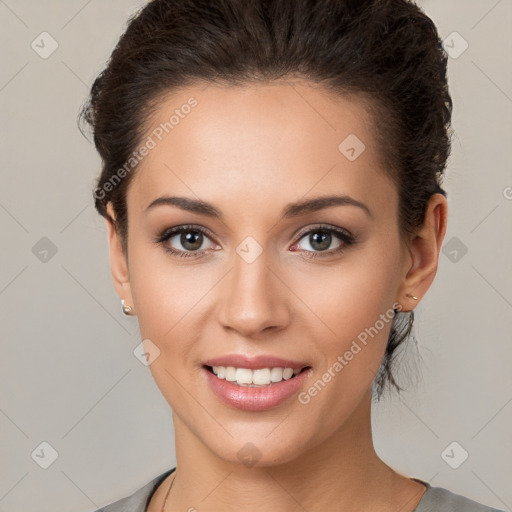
[[435, 499]]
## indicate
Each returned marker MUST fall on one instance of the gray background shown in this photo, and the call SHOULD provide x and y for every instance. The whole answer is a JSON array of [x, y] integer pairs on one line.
[[68, 373]]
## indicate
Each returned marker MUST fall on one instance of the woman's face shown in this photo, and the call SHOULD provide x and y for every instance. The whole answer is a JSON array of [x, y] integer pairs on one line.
[[265, 275]]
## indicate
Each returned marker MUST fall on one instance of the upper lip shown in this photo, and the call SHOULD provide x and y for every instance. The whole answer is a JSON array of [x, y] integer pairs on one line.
[[253, 363]]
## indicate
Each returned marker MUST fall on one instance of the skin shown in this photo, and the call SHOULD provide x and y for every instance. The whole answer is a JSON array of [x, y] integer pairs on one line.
[[250, 150]]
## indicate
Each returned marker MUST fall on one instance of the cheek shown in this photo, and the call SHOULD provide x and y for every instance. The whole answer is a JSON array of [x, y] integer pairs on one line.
[[351, 359], [165, 292], [355, 306], [151, 290], [167, 300], [349, 297]]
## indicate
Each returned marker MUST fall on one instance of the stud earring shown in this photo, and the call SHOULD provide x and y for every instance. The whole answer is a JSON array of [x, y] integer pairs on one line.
[[126, 309], [413, 297]]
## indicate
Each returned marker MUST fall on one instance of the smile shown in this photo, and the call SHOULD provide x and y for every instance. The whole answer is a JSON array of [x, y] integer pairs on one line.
[[255, 384], [254, 378]]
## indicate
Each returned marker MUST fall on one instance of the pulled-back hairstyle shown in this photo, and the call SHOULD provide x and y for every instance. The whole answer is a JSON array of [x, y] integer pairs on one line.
[[388, 52]]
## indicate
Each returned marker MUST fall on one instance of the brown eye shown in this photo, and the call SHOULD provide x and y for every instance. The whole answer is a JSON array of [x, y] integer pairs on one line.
[[191, 240], [323, 241], [320, 240], [185, 241]]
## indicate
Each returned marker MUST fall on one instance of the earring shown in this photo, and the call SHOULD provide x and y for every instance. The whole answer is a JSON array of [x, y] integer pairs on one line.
[[126, 309], [411, 296]]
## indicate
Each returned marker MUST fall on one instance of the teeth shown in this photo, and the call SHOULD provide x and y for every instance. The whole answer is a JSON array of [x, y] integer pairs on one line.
[[253, 378], [261, 377], [287, 373], [276, 374], [230, 373], [243, 376]]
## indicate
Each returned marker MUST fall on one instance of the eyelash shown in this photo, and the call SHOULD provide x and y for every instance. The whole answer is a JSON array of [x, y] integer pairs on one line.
[[342, 234]]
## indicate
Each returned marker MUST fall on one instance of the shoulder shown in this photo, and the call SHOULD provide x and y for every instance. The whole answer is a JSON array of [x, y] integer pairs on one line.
[[438, 499], [138, 501]]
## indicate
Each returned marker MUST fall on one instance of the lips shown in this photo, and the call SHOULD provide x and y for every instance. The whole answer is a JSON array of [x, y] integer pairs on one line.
[[254, 384]]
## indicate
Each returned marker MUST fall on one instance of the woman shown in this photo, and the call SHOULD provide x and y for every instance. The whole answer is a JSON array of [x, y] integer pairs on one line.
[[272, 188]]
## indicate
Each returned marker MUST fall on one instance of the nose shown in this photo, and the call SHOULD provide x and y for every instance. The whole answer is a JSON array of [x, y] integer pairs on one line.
[[253, 299]]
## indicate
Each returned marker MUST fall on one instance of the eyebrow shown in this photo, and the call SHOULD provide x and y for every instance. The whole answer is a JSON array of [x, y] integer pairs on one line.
[[289, 211]]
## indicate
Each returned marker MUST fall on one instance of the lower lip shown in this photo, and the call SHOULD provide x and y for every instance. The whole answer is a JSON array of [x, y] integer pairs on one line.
[[255, 399]]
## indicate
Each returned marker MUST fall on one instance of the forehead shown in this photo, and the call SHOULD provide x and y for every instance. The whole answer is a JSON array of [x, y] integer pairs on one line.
[[259, 143]]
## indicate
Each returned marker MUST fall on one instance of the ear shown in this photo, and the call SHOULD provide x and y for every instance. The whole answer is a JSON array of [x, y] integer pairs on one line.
[[118, 261], [421, 263]]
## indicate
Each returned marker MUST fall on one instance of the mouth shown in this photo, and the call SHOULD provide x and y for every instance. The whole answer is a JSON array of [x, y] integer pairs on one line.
[[255, 378], [255, 384]]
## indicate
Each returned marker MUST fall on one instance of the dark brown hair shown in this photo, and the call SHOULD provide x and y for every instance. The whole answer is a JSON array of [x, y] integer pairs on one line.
[[386, 51]]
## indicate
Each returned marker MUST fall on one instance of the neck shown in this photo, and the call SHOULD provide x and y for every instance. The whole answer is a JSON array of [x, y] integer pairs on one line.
[[342, 469]]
